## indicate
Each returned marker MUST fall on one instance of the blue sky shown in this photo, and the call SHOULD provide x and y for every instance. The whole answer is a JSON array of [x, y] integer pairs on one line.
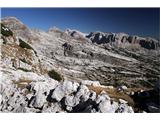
[[143, 22]]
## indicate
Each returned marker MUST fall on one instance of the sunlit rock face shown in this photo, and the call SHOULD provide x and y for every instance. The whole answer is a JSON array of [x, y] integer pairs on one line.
[[17, 27], [95, 72], [123, 40]]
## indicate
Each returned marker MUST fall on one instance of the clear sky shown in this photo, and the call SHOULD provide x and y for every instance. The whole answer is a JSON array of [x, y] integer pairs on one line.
[[138, 21]]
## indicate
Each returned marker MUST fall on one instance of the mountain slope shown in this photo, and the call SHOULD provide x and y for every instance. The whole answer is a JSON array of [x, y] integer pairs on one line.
[[112, 59]]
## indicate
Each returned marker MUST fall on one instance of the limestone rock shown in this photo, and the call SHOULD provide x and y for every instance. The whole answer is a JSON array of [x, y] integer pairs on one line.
[[65, 88], [70, 101], [124, 108], [122, 101], [102, 97], [105, 106], [88, 82]]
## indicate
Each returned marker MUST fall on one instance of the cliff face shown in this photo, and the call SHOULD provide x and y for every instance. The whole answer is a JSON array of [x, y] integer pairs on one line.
[[123, 40], [69, 71]]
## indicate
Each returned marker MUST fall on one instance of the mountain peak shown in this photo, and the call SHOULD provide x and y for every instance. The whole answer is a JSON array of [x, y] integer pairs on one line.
[[12, 20]]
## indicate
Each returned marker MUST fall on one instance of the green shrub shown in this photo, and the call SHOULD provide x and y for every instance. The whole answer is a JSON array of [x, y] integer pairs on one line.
[[24, 44], [25, 70], [7, 32], [4, 40], [53, 74]]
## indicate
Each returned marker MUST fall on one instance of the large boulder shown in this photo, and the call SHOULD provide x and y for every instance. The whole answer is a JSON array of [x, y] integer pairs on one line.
[[83, 93], [70, 101], [102, 97], [65, 88], [41, 90], [105, 106]]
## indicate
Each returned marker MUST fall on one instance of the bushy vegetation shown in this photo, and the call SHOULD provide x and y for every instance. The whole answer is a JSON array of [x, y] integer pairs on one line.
[[6, 31], [53, 74], [4, 40], [24, 44], [25, 70], [113, 93]]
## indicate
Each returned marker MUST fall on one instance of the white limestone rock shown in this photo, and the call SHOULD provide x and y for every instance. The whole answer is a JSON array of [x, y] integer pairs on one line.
[[108, 87], [65, 88], [114, 106], [92, 95], [102, 97], [124, 108], [41, 91], [83, 92], [70, 101], [0, 99], [122, 101], [58, 93], [56, 107], [25, 66], [69, 108], [89, 82], [20, 109], [106, 107], [122, 88], [28, 96]]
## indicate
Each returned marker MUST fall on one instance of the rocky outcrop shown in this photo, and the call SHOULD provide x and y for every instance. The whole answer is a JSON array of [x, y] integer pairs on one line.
[[77, 35], [67, 48], [100, 37], [123, 40], [51, 96], [18, 27]]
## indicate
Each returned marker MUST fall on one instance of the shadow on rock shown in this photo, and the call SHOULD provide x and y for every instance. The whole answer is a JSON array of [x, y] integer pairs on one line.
[[85, 107], [148, 101]]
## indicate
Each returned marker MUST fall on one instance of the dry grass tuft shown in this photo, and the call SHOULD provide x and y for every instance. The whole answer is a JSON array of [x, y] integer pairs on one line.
[[21, 83], [113, 93]]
